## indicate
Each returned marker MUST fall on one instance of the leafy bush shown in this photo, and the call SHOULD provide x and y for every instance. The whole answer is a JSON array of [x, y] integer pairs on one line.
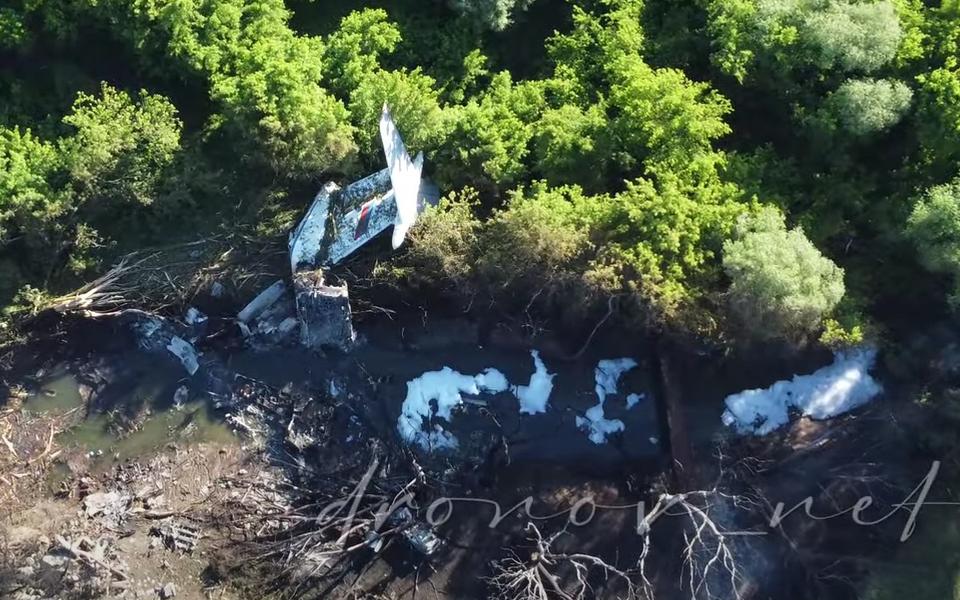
[[12, 31], [934, 228], [838, 337], [663, 238], [851, 35], [846, 35], [119, 149], [54, 197], [489, 137], [571, 145], [443, 246], [538, 244], [781, 285]]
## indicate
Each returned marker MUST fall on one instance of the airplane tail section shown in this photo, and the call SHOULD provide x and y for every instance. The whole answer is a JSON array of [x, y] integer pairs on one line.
[[404, 176]]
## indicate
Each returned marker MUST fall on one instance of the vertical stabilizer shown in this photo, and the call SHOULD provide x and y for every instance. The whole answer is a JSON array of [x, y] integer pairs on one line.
[[404, 176]]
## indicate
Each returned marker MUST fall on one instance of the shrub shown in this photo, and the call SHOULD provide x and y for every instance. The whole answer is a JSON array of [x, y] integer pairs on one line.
[[442, 246], [537, 245], [781, 285]]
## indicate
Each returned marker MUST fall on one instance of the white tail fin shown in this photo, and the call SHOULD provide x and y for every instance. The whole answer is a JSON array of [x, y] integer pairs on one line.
[[404, 176]]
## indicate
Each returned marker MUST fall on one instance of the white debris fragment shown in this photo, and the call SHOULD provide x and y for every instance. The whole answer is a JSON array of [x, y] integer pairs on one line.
[[287, 325], [534, 397], [217, 290], [334, 391], [111, 507], [262, 302], [833, 390], [185, 351], [597, 426], [195, 317], [634, 399], [607, 375], [149, 333], [445, 388], [180, 397]]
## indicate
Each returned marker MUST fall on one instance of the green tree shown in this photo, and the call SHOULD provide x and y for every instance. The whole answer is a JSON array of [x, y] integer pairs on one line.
[[12, 31], [665, 120], [865, 106], [120, 148], [663, 238], [572, 145], [264, 78], [846, 35], [852, 35], [934, 228], [57, 198], [644, 120], [353, 52], [938, 95], [490, 136], [490, 14], [781, 285], [31, 192]]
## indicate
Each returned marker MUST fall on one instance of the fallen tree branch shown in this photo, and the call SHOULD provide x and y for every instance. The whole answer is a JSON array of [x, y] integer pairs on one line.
[[538, 577], [586, 344]]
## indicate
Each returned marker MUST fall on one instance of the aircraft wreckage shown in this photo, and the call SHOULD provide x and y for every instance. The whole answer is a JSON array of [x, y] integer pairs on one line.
[[338, 223]]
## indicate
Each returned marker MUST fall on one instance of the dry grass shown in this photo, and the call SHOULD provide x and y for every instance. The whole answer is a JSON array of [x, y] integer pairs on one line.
[[27, 449]]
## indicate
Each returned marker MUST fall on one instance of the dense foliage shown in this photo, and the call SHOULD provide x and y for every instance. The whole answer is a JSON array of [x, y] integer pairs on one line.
[[717, 162]]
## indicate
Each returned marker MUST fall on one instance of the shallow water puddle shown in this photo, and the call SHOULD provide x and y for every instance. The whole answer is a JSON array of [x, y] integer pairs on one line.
[[137, 418], [192, 422], [57, 395]]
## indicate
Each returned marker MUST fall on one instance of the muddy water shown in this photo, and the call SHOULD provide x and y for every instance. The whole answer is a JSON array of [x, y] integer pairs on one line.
[[59, 393], [135, 416]]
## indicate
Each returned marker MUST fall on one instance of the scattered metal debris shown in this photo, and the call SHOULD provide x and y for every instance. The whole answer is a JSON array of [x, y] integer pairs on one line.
[[324, 310], [180, 397], [418, 534], [185, 351], [262, 302], [178, 536], [110, 507], [195, 317], [197, 323]]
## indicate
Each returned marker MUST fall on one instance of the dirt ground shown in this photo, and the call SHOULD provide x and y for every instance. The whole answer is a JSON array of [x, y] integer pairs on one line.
[[177, 484]]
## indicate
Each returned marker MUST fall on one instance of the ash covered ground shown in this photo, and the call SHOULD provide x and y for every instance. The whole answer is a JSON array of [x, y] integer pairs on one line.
[[265, 472]]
